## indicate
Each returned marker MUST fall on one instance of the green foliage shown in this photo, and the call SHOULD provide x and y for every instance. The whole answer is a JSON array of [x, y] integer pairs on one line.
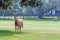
[[4, 4], [32, 3]]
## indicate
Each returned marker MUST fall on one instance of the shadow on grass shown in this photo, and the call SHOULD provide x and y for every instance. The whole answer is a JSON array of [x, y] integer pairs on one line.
[[9, 33]]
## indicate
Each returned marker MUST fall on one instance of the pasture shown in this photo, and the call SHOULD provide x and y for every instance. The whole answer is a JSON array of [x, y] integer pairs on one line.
[[32, 30]]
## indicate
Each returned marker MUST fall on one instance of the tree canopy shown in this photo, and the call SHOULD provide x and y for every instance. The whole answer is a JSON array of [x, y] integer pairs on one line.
[[32, 3], [4, 4]]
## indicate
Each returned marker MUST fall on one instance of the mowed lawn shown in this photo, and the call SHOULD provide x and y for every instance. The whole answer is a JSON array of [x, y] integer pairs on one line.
[[32, 30]]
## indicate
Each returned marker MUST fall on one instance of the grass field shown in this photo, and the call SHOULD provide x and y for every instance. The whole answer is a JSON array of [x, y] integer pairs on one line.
[[33, 30]]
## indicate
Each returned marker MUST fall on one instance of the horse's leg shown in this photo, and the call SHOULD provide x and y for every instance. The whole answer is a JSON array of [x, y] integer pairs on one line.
[[22, 24], [15, 28], [20, 28]]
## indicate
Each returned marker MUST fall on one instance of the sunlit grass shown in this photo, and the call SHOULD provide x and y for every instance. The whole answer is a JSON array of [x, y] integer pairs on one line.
[[33, 30]]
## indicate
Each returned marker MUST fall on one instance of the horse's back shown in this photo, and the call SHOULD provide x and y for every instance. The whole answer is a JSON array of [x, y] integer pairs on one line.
[[19, 22]]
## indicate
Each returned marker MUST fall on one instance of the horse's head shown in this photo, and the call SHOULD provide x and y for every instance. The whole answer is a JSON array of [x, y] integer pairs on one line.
[[15, 17]]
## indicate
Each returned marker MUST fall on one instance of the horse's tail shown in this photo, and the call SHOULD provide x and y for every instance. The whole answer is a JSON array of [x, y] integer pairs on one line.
[[22, 24], [21, 20]]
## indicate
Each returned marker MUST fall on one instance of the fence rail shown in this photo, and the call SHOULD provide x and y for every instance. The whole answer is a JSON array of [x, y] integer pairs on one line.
[[22, 17]]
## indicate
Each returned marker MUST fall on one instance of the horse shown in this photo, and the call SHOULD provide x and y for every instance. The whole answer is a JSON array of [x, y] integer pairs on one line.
[[18, 23]]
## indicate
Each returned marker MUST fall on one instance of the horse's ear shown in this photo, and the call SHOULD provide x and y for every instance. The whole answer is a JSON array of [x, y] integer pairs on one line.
[[15, 17]]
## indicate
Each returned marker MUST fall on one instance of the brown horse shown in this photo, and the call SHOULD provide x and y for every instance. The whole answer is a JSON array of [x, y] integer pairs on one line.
[[18, 23]]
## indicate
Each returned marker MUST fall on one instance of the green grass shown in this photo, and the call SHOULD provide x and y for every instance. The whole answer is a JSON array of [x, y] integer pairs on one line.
[[33, 30]]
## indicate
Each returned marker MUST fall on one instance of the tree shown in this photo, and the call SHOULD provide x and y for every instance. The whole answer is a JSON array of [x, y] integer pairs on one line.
[[4, 4], [32, 3]]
